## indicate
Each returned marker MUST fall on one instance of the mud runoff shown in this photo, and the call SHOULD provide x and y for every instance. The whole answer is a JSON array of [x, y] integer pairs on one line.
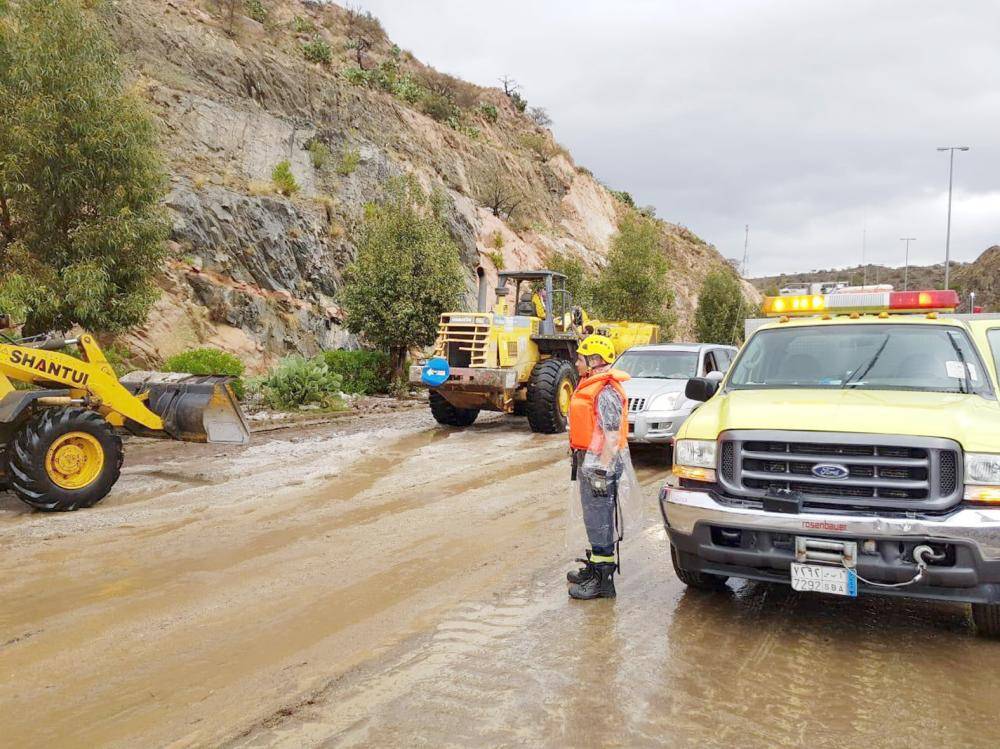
[[388, 582]]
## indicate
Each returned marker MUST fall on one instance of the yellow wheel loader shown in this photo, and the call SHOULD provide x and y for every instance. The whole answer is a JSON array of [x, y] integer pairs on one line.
[[518, 358], [60, 447]]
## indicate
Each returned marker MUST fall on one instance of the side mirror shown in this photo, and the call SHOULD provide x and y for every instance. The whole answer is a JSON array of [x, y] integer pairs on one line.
[[701, 388]]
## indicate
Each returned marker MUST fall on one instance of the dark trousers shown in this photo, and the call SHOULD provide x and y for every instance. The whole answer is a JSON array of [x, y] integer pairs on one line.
[[598, 510]]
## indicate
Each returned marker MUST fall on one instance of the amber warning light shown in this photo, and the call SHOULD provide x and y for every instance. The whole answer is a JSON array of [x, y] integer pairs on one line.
[[862, 302]]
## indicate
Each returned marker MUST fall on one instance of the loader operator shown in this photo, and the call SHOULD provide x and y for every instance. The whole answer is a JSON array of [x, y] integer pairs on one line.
[[598, 437]]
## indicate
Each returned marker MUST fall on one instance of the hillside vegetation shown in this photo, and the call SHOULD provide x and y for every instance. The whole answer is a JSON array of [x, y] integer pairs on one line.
[[281, 119]]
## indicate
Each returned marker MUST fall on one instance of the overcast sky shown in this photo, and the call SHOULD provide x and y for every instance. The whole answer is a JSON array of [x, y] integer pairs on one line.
[[810, 121]]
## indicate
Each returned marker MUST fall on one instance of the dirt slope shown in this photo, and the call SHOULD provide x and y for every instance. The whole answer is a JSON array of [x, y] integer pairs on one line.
[[258, 273]]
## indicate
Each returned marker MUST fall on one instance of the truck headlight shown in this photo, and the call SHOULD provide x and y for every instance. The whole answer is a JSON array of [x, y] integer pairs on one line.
[[664, 402], [695, 459], [982, 468], [982, 478]]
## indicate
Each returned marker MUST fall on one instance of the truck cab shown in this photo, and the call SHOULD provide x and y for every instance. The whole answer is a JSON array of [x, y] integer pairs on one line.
[[853, 449]]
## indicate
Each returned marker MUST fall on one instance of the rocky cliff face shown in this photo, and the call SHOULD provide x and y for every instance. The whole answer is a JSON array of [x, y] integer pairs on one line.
[[258, 273]]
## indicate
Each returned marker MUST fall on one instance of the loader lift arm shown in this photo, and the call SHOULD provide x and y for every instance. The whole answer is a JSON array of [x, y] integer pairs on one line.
[[58, 446]]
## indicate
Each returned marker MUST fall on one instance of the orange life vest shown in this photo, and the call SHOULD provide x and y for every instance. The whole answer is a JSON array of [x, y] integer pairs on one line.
[[583, 411]]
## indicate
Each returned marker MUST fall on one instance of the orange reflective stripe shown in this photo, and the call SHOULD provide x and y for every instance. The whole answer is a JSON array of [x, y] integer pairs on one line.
[[583, 411]]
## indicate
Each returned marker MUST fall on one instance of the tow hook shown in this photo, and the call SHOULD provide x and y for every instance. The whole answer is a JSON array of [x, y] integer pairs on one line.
[[923, 555]]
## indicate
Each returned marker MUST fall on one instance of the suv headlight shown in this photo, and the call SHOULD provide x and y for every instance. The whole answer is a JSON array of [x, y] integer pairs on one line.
[[982, 478], [664, 402], [698, 453]]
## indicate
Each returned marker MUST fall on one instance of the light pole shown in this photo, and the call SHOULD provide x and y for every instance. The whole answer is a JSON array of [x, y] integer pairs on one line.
[[947, 239], [906, 271]]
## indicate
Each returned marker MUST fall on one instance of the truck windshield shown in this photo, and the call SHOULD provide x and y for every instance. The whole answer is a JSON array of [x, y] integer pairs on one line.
[[659, 365], [930, 358]]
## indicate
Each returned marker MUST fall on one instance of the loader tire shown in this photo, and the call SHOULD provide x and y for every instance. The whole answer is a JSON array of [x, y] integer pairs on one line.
[[64, 459], [549, 390], [450, 415]]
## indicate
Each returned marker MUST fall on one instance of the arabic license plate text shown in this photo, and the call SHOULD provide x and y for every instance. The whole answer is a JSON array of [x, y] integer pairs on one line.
[[822, 579]]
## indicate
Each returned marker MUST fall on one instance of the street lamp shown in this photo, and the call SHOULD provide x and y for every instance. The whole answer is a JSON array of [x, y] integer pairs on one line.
[[947, 240], [906, 272]]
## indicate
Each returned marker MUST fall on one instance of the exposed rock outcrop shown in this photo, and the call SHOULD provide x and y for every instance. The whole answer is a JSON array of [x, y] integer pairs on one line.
[[258, 273]]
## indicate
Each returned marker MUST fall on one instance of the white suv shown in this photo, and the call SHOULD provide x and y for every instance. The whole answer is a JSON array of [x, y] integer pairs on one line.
[[656, 402]]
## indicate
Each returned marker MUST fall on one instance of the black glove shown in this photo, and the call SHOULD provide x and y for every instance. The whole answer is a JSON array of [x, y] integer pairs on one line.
[[599, 483]]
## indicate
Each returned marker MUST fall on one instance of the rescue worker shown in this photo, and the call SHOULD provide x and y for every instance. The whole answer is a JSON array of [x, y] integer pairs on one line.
[[598, 437]]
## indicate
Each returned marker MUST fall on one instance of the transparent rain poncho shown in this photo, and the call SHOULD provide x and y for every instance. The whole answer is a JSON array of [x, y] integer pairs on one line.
[[604, 508]]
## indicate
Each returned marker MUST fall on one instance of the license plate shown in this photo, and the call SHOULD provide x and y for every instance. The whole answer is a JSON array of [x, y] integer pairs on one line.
[[818, 578]]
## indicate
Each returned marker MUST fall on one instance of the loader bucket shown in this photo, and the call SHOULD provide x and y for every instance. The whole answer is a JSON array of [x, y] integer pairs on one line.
[[194, 408]]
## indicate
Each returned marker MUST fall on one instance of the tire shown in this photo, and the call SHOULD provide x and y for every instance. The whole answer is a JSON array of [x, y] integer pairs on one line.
[[697, 580], [450, 415], [548, 379], [986, 617], [92, 460], [520, 408]]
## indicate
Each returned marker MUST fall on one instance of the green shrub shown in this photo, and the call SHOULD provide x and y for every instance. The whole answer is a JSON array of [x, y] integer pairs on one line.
[[408, 89], [349, 160], [622, 197], [298, 381], [319, 154], [317, 50], [365, 372], [356, 76], [119, 357], [455, 122], [496, 240], [496, 257], [489, 112], [539, 144], [256, 10], [283, 179], [302, 25], [520, 103], [208, 361], [438, 106]]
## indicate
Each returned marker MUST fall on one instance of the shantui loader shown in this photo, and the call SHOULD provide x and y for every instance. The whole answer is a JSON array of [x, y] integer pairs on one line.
[[59, 441], [519, 357]]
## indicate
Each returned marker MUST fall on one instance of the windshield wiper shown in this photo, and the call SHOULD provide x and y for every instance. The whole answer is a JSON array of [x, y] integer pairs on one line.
[[867, 368], [963, 384]]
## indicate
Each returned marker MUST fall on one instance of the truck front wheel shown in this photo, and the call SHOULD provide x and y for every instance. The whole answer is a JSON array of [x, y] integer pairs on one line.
[[549, 391], [698, 580], [986, 617], [449, 415]]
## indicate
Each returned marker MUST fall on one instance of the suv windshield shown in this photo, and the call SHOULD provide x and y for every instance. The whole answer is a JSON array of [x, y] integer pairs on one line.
[[930, 358], [659, 365]]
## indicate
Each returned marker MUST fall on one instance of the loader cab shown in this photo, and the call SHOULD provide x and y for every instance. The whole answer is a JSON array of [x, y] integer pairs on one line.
[[537, 293]]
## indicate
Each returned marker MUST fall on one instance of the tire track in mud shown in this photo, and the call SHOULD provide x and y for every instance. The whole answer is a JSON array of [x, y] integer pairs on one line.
[[211, 604]]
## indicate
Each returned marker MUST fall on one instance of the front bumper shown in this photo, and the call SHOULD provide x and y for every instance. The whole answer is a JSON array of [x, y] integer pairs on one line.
[[655, 426], [478, 379], [741, 540]]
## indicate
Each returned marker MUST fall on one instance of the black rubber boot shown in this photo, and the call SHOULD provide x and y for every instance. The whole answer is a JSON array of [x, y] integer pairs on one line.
[[600, 585], [584, 573]]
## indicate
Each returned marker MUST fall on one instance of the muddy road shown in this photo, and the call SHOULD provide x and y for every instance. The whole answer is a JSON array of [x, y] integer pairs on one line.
[[387, 582]]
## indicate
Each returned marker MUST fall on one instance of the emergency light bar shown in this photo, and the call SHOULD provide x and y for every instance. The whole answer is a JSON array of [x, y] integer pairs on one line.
[[861, 302]]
